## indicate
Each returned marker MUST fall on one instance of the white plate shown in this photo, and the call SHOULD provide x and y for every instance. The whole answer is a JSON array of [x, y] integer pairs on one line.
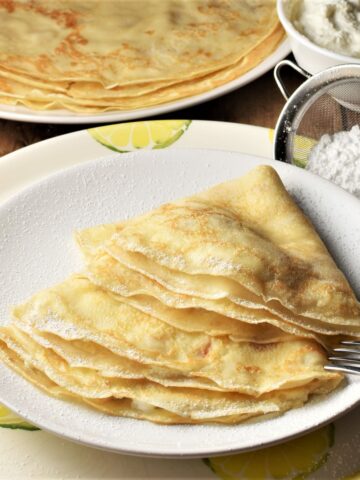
[[37, 251], [64, 116]]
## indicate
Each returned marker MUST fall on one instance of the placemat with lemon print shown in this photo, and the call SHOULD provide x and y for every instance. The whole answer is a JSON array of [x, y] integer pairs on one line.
[[330, 453]]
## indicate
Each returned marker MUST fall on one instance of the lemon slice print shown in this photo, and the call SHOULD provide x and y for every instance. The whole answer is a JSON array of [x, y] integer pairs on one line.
[[301, 144], [294, 460], [127, 137], [302, 147], [10, 420]]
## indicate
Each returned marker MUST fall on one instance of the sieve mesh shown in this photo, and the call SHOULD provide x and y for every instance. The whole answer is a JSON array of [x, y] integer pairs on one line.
[[329, 114], [325, 104]]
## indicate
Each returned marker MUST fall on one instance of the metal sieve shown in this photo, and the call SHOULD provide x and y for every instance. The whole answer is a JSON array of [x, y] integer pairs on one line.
[[326, 103]]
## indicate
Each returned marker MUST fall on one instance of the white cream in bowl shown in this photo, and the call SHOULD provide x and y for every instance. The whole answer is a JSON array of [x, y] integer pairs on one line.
[[331, 24], [322, 33]]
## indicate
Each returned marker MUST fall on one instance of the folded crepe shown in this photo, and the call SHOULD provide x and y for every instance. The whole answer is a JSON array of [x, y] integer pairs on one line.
[[214, 308], [243, 249], [78, 310], [192, 403]]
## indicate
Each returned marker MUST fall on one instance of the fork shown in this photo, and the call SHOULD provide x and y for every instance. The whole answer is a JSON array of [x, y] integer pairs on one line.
[[345, 358]]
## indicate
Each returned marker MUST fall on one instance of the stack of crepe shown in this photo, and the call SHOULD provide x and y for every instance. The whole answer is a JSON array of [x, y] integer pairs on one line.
[[96, 56], [214, 308]]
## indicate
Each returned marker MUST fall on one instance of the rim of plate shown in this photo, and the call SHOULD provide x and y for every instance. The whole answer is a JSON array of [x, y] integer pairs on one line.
[[57, 153], [201, 453], [207, 451], [24, 114]]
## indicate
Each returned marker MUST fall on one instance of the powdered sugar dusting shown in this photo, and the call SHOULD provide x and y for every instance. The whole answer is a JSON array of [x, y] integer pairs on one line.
[[337, 158], [36, 251]]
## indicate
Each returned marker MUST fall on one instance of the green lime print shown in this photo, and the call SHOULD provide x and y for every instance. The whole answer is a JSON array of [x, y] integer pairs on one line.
[[293, 460], [12, 421], [302, 148], [129, 137]]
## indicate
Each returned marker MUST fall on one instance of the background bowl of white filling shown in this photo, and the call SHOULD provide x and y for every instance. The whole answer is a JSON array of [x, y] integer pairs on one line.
[[322, 33]]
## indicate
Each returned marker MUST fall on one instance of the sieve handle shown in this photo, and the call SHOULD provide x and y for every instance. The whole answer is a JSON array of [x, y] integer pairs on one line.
[[278, 79]]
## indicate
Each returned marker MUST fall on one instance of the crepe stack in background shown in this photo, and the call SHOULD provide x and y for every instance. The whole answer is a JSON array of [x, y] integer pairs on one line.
[[122, 54], [215, 308]]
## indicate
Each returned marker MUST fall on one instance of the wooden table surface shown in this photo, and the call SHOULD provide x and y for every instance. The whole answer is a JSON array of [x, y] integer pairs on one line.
[[258, 103]]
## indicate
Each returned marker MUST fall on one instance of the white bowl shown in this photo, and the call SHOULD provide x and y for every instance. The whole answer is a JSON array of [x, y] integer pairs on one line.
[[308, 55]]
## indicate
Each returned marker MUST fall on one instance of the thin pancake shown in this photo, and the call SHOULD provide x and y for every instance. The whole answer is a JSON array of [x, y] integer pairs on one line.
[[215, 289], [184, 312], [304, 363], [135, 285], [190, 403], [90, 96], [243, 236], [87, 354], [147, 294], [78, 310], [120, 407], [113, 42]]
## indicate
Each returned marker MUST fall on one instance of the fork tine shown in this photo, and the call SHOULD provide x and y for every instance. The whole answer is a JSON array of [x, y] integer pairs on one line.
[[347, 350], [348, 362], [340, 368]]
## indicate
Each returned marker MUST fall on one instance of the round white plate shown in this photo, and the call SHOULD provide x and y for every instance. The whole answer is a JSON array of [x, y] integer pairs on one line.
[[37, 251], [64, 116]]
